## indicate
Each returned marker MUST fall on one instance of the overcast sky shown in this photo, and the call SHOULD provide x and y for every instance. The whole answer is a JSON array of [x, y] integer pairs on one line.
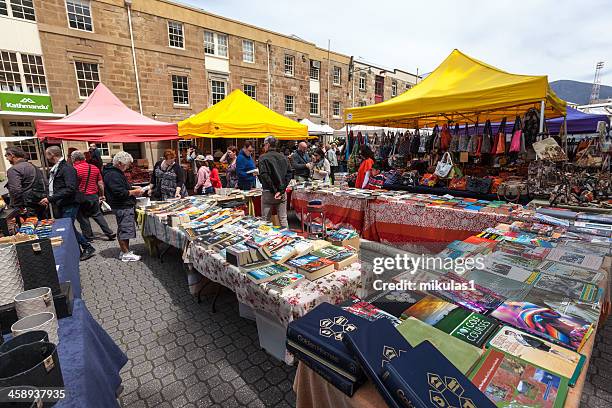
[[559, 38]]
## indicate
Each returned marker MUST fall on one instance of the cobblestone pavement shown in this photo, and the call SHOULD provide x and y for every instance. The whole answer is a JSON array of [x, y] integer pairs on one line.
[[183, 355]]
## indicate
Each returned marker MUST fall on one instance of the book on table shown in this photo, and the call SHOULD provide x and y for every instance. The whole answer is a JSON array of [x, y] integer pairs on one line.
[[311, 266], [340, 256], [266, 272], [573, 289], [285, 282], [367, 310]]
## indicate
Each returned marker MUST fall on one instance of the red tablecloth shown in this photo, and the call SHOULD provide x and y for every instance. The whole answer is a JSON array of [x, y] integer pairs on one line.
[[338, 210]]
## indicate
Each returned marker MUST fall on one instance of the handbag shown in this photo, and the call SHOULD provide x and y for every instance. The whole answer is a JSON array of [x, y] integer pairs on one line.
[[495, 183], [11, 282], [487, 138], [479, 185], [37, 264], [444, 166], [464, 139], [445, 138], [454, 143], [80, 196], [517, 135], [512, 190], [428, 180], [458, 183], [500, 145]]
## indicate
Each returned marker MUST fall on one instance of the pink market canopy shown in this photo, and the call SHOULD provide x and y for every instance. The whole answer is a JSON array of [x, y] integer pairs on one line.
[[104, 118]]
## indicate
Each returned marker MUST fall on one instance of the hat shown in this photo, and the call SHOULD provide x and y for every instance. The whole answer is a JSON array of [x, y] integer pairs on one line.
[[209, 158], [201, 158]]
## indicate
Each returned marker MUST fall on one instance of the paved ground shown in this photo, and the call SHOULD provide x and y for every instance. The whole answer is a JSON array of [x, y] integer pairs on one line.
[[183, 355]]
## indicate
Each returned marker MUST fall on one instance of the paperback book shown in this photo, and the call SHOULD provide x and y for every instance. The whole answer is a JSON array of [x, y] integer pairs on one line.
[[477, 298], [311, 266], [571, 272], [367, 310], [266, 272], [588, 311], [395, 302], [285, 282], [340, 256], [573, 289], [510, 382], [504, 287], [561, 255], [541, 353]]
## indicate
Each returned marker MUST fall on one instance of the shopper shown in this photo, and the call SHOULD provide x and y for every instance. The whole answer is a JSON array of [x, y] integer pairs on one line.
[[367, 161], [332, 157], [374, 178], [204, 185], [245, 167], [321, 168], [96, 156], [91, 185], [274, 177], [62, 190], [122, 199], [25, 184], [215, 179], [300, 162], [191, 156], [167, 179], [230, 173]]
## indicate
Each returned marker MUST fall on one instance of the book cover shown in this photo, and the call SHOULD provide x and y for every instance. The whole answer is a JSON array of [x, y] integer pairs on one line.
[[506, 288], [567, 287], [571, 272], [523, 250], [266, 273], [424, 378], [539, 352], [461, 354], [503, 267], [471, 327], [321, 330], [510, 382], [340, 256], [367, 310], [285, 282], [394, 302], [588, 311], [477, 299], [545, 322], [564, 256], [311, 266]]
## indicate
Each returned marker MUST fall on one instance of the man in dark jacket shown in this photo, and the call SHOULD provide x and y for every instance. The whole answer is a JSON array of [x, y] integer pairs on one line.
[[122, 199], [274, 177], [245, 166], [25, 184], [300, 161], [62, 190]]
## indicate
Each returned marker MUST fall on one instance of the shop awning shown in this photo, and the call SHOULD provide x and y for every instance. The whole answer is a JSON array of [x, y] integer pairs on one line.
[[316, 129], [240, 116], [577, 122], [370, 130], [461, 89], [104, 118]]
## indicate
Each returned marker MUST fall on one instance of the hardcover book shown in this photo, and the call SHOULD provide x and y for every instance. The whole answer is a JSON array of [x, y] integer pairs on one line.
[[424, 378], [461, 354], [551, 357], [545, 322], [471, 327], [510, 382], [321, 330]]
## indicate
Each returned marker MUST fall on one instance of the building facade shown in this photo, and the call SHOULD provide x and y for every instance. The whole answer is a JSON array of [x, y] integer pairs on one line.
[[170, 61]]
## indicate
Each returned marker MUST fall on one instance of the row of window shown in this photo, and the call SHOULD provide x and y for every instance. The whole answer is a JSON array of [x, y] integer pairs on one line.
[[21, 72], [22, 9]]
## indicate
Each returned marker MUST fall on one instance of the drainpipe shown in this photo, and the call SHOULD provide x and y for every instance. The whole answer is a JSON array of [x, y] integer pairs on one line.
[[329, 116], [268, 44]]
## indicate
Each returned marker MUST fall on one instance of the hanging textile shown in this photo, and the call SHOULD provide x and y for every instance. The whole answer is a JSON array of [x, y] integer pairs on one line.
[[517, 142], [454, 144], [501, 138]]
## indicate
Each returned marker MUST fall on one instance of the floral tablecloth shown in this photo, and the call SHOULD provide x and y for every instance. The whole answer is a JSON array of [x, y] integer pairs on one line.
[[340, 210]]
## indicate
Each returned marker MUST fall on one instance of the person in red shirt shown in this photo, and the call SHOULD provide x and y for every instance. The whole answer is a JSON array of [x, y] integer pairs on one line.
[[367, 161], [215, 180], [91, 207]]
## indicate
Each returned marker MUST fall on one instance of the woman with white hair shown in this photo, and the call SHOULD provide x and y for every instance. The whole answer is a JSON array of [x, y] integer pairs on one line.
[[122, 198]]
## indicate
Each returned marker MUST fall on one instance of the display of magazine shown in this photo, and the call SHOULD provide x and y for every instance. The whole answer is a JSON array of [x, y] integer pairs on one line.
[[394, 302], [571, 272], [477, 299], [509, 267], [567, 287], [588, 311], [506, 288], [523, 250], [367, 310], [541, 353], [545, 322], [510, 382], [586, 261]]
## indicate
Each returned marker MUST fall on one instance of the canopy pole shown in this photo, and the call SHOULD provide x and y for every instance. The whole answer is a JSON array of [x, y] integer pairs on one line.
[[542, 111], [151, 152]]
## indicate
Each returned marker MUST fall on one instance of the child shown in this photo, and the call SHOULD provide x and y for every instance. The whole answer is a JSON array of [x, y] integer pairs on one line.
[[374, 179]]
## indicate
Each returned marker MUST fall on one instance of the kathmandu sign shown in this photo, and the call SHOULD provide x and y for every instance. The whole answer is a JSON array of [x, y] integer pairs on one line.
[[25, 102]]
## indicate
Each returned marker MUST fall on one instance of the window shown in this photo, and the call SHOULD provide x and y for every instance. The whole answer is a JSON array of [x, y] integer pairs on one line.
[[180, 90], [23, 9], [337, 75], [34, 73], [248, 51], [3, 9], [362, 81], [104, 149], [10, 78], [289, 64], [250, 90], [175, 35], [315, 68], [18, 128], [88, 77], [289, 107], [217, 91], [314, 104], [215, 44], [393, 88], [79, 14], [336, 108]]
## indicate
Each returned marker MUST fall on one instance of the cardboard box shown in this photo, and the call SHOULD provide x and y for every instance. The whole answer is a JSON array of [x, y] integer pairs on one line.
[[178, 220]]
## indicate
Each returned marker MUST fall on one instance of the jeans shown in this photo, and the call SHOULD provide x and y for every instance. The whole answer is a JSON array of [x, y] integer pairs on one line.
[[71, 212], [97, 216], [245, 185], [268, 202]]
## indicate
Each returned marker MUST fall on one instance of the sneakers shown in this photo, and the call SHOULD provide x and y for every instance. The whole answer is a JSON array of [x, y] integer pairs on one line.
[[129, 257], [87, 253]]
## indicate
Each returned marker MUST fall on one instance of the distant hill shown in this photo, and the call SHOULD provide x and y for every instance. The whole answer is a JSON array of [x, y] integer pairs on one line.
[[578, 92]]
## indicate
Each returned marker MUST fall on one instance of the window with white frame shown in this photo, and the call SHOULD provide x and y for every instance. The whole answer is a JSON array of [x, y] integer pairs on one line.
[[180, 90], [34, 73], [362, 81], [10, 77], [250, 90], [315, 69], [3, 8], [175, 34], [289, 104], [289, 65], [248, 51], [314, 103], [79, 14], [393, 88], [104, 149], [217, 91], [21, 129], [23, 9], [336, 108], [215, 44], [88, 77], [337, 75]]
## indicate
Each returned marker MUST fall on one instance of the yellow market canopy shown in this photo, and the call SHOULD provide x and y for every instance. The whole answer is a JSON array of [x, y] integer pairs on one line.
[[240, 116], [462, 89]]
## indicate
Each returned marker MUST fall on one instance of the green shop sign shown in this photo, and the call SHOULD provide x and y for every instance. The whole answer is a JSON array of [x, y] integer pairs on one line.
[[25, 102]]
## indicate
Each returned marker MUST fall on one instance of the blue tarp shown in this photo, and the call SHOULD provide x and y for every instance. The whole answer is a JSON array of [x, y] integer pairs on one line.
[[577, 122]]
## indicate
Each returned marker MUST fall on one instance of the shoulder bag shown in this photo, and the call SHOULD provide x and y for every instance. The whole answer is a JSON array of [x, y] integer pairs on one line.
[[444, 166]]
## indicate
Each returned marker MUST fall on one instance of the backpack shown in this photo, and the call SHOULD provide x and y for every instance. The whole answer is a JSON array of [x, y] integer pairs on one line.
[[38, 191]]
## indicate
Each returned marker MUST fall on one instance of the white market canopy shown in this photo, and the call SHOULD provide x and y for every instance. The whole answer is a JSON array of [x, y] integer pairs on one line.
[[370, 130], [315, 129]]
